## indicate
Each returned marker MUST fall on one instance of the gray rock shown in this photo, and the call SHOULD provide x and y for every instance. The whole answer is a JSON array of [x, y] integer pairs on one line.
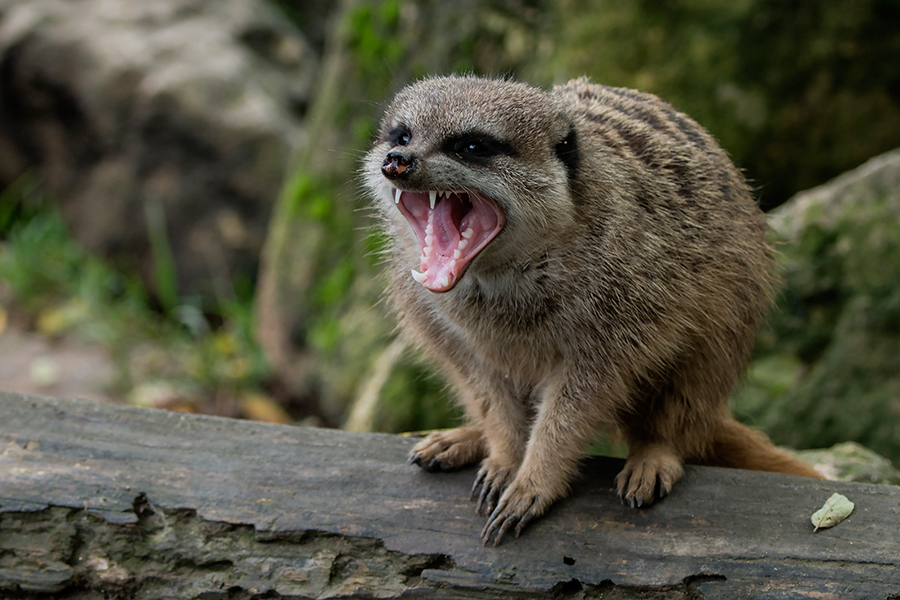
[[828, 368], [186, 109], [876, 181], [851, 462]]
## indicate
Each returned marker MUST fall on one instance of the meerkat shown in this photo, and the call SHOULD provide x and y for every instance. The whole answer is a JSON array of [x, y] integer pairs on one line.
[[575, 259]]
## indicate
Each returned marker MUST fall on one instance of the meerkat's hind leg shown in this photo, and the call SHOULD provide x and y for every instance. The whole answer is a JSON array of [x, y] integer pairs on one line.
[[650, 471], [449, 450]]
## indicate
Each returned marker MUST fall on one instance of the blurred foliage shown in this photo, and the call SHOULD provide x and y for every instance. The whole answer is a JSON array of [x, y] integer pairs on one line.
[[797, 92], [172, 359], [417, 400]]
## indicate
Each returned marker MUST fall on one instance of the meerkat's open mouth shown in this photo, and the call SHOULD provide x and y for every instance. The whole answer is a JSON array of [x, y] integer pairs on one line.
[[452, 228]]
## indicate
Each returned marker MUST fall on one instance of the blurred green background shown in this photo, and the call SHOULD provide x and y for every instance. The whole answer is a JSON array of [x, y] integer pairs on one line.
[[797, 93]]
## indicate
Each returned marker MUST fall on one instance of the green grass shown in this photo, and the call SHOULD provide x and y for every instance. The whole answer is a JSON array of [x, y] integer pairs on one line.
[[203, 361]]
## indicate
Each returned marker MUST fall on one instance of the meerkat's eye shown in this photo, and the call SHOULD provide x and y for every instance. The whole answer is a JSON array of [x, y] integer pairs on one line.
[[476, 147], [398, 136]]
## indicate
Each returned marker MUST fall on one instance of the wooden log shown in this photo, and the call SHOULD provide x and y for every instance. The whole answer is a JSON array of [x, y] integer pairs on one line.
[[105, 501]]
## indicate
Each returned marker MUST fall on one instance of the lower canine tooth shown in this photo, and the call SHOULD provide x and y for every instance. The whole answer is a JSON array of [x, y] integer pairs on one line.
[[419, 277]]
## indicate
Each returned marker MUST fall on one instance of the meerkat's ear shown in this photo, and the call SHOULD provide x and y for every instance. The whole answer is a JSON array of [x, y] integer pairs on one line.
[[567, 152]]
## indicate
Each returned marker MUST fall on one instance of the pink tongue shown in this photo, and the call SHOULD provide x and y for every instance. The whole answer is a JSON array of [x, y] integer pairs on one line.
[[440, 265], [450, 236], [446, 234]]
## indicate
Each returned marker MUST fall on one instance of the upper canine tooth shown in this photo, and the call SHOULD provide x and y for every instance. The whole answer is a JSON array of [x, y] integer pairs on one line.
[[397, 193], [432, 196]]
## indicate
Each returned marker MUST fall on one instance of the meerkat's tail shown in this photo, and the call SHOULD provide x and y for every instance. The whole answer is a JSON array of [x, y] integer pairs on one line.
[[741, 447]]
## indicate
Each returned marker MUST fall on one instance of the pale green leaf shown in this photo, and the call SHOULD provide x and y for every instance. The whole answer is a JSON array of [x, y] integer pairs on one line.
[[836, 509]]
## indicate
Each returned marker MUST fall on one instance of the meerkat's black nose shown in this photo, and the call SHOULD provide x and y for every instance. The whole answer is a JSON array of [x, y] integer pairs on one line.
[[398, 164]]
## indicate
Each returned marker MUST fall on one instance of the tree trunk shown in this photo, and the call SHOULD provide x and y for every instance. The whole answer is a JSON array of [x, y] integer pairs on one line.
[[105, 501]]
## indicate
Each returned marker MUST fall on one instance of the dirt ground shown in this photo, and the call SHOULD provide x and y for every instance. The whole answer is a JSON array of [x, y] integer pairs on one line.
[[64, 367]]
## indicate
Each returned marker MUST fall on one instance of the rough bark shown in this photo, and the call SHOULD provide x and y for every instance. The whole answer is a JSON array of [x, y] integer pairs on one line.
[[105, 501]]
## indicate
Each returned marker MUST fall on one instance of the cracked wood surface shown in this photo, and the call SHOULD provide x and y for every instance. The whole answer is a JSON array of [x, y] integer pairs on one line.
[[162, 479]]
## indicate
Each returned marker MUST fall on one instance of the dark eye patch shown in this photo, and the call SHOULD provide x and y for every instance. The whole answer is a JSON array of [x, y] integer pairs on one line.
[[398, 136], [567, 152], [477, 147]]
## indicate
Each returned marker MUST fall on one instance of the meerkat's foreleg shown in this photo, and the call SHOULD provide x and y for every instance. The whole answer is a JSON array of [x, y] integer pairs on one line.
[[506, 425], [496, 434], [566, 421]]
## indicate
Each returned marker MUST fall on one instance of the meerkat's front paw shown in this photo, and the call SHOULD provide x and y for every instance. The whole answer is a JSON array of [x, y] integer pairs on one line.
[[519, 504], [449, 450], [493, 477], [648, 472]]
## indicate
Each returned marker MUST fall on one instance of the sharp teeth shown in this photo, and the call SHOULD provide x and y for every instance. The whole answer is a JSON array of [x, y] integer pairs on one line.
[[419, 277], [469, 232], [457, 253], [397, 193], [462, 244], [445, 280], [432, 196]]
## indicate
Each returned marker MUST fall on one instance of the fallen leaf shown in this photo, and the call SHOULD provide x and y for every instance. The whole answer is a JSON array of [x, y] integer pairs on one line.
[[44, 371], [262, 408], [836, 509]]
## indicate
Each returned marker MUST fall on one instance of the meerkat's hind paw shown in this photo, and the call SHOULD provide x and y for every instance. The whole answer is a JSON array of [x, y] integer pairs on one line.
[[448, 450], [648, 475]]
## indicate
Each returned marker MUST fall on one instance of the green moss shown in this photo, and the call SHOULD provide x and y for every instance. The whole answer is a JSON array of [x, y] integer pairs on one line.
[[829, 370]]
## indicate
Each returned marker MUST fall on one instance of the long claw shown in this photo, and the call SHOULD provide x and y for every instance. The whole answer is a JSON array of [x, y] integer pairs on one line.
[[492, 500], [479, 479], [506, 525], [492, 523], [488, 499], [526, 518], [485, 490]]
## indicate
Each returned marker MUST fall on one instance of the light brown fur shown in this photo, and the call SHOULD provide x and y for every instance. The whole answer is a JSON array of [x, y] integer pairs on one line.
[[624, 292]]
